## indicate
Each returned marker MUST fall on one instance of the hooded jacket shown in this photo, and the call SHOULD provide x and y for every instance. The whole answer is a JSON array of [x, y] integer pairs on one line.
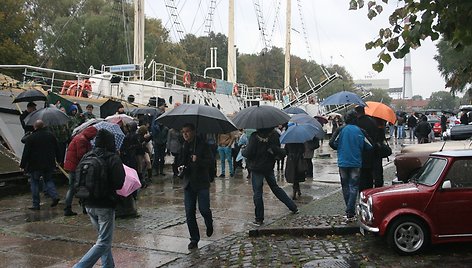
[[261, 149], [79, 146], [105, 147]]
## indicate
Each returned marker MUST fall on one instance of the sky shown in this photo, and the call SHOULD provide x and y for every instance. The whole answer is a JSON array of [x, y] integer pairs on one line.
[[335, 35]]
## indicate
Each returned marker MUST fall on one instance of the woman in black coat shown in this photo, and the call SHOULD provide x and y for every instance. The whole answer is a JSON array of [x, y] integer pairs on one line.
[[296, 166]]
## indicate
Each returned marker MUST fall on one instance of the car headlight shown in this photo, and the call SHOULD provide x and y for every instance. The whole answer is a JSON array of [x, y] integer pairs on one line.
[[365, 209]]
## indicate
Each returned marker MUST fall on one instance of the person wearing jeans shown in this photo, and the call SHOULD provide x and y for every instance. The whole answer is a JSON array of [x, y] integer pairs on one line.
[[225, 141], [350, 142], [257, 187], [101, 209], [103, 220], [194, 163], [350, 186], [260, 152]]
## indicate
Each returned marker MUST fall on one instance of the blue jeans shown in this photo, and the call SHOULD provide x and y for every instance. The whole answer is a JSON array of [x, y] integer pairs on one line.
[[350, 187], [48, 183], [225, 154], [103, 219], [412, 132], [71, 191], [190, 201], [257, 187], [401, 132]]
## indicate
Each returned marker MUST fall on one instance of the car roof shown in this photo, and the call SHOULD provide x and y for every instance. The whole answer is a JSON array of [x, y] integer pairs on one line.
[[455, 153]]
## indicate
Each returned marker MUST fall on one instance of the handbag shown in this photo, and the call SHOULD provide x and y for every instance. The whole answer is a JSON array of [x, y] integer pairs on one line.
[[384, 150]]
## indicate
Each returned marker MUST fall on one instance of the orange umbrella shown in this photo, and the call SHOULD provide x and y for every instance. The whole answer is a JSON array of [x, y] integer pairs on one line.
[[380, 110]]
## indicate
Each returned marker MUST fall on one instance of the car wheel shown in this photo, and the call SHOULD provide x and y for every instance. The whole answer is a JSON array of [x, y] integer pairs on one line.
[[408, 235]]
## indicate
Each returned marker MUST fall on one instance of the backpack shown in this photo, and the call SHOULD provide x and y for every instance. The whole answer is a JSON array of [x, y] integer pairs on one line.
[[91, 180]]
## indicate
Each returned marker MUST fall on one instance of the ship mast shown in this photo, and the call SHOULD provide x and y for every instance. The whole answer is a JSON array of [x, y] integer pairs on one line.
[[287, 46], [139, 36], [231, 49]]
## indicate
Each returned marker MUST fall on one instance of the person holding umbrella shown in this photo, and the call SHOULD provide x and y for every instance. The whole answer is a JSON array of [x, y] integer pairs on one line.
[[30, 107], [39, 159], [261, 152], [194, 163]]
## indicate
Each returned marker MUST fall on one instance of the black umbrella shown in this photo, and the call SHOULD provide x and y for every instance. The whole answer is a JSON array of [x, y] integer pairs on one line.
[[206, 119], [30, 95], [262, 116], [144, 110], [51, 116]]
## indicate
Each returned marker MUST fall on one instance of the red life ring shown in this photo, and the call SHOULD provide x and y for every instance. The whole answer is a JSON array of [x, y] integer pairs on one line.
[[235, 90], [213, 85], [187, 79]]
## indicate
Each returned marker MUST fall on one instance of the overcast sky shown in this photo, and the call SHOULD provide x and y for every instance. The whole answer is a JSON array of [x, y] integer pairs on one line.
[[335, 35]]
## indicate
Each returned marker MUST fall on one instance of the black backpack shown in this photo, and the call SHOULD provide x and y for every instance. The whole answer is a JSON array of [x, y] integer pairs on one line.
[[91, 180]]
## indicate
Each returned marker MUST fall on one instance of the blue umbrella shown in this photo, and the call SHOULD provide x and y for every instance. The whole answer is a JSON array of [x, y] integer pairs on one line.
[[294, 110], [305, 119], [298, 134], [343, 97], [114, 129]]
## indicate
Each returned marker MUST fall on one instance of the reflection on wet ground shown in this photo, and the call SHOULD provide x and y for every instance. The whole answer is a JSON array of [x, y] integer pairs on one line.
[[159, 235]]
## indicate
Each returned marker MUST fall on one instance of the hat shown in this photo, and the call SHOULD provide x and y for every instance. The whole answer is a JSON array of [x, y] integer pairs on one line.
[[73, 107], [105, 139], [31, 104], [161, 102]]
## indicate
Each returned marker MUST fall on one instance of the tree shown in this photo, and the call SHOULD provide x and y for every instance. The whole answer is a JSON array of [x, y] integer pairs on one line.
[[455, 66], [380, 95], [417, 97], [415, 21], [442, 100], [18, 34]]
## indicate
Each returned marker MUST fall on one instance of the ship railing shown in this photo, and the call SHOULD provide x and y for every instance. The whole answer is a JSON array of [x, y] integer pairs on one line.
[[261, 93]]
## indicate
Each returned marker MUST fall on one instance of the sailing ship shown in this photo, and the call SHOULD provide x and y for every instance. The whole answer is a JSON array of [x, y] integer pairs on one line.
[[127, 82]]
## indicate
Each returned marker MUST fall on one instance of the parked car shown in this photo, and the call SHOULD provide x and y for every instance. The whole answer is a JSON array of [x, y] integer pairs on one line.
[[436, 207], [437, 130], [412, 157]]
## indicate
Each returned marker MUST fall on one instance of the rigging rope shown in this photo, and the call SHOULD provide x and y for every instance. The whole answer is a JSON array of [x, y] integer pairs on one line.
[[260, 23]]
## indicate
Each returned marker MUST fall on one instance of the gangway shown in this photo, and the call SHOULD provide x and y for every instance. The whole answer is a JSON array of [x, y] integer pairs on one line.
[[313, 90]]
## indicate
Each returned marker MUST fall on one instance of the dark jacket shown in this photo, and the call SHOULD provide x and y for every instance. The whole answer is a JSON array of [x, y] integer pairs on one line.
[[131, 148], [422, 130], [412, 121], [25, 127], [105, 147], [296, 164], [368, 124], [261, 150], [40, 152], [196, 174]]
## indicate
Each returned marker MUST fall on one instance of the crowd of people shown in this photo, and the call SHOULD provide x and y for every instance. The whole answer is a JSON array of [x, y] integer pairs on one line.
[[358, 138]]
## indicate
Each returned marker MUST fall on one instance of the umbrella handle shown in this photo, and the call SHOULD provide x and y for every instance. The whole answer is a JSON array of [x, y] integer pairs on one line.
[[63, 171]]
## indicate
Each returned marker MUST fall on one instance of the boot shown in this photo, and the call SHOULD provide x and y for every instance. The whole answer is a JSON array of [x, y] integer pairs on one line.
[[149, 175], [294, 194], [68, 212]]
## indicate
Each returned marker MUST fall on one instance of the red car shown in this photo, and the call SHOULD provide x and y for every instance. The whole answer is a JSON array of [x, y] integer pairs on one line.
[[435, 207], [437, 130]]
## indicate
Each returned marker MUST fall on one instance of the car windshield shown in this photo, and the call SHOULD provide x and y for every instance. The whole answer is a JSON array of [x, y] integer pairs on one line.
[[431, 171]]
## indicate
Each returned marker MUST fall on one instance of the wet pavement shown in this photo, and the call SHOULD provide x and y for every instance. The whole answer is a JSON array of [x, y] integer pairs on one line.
[[159, 236]]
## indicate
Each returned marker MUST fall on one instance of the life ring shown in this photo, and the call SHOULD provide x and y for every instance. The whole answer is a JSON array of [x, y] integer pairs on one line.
[[213, 85], [235, 90], [187, 79]]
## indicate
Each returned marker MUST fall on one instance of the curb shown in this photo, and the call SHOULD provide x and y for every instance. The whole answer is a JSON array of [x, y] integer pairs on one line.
[[297, 231]]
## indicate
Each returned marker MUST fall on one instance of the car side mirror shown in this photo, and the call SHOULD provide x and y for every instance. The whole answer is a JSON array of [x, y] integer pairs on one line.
[[446, 185]]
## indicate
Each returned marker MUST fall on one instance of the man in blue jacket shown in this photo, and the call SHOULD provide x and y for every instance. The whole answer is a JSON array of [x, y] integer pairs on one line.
[[351, 143]]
